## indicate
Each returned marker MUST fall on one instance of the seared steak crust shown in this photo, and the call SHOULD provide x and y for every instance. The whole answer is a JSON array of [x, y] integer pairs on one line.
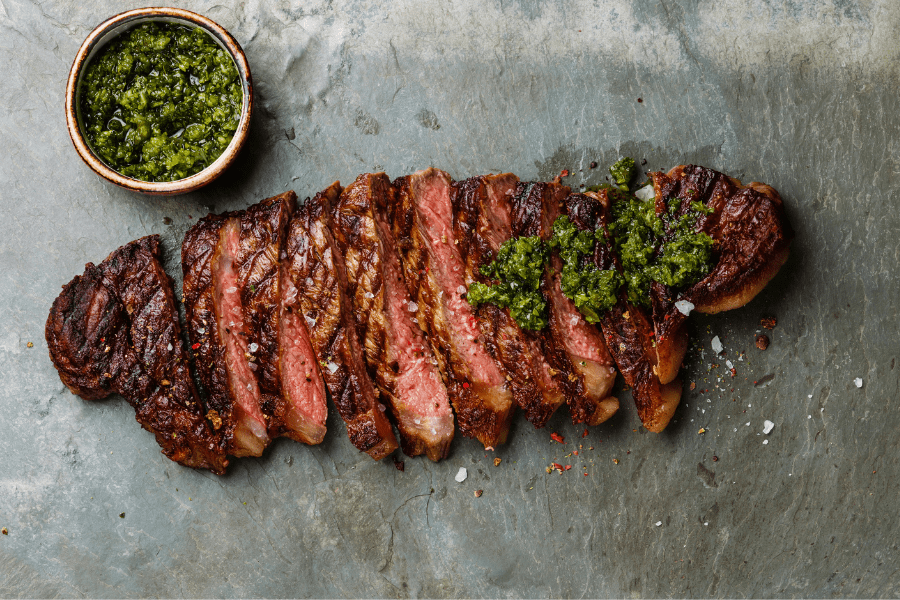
[[207, 253], [318, 272], [752, 236], [533, 208], [627, 329], [434, 273], [115, 329], [399, 359], [482, 223], [262, 232]]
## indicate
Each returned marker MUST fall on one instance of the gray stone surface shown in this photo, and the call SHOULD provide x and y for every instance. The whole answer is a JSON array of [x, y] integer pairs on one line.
[[801, 94]]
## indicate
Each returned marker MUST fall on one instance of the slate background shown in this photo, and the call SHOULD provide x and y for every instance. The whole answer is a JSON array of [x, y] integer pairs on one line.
[[800, 94]]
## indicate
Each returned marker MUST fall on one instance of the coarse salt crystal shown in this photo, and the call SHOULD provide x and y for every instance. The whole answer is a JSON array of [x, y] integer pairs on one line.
[[645, 193], [858, 381], [253, 347], [332, 367], [461, 475], [310, 321], [461, 289], [170, 347], [717, 345], [309, 281], [765, 442], [201, 330], [249, 386], [684, 307], [767, 426], [369, 295], [659, 523], [412, 306], [729, 364], [231, 290]]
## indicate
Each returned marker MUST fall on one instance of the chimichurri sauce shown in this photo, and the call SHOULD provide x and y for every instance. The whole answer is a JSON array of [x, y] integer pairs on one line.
[[161, 102], [518, 269]]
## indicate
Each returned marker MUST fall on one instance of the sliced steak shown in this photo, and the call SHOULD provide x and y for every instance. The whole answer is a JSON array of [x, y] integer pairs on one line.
[[627, 329], [483, 221], [115, 329], [315, 267], [422, 221], [752, 241], [399, 358], [533, 208], [218, 331]]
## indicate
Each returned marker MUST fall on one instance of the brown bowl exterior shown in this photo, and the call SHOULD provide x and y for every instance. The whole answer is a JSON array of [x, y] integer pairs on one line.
[[110, 29]]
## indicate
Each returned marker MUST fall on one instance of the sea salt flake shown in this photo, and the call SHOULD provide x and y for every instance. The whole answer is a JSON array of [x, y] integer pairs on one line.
[[767, 426], [717, 345], [369, 295], [729, 364], [332, 367], [170, 347], [253, 347], [310, 321], [461, 289], [231, 290], [645, 193], [201, 330], [412, 306], [659, 523], [461, 475], [684, 307], [765, 442], [858, 381], [309, 281], [249, 386]]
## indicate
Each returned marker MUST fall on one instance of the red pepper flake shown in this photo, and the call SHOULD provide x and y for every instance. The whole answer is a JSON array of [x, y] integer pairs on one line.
[[567, 467], [466, 385], [584, 435], [195, 346], [564, 173], [585, 474], [557, 438], [557, 466]]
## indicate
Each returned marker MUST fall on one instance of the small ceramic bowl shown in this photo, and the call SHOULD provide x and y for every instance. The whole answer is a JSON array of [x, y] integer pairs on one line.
[[111, 29]]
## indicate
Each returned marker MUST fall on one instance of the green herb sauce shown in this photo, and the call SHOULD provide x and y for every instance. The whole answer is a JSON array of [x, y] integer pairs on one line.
[[622, 172], [161, 102], [594, 291], [517, 268]]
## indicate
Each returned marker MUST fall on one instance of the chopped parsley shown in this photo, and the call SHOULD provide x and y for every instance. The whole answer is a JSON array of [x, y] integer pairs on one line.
[[517, 269]]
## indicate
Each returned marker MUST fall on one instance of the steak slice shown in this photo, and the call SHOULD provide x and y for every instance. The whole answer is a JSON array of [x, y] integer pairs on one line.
[[533, 208], [114, 329], [291, 389], [627, 328], [434, 271], [216, 323], [398, 356], [316, 269], [752, 241]]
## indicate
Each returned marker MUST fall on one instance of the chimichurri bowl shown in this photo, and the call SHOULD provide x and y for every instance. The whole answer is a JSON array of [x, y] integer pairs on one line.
[[111, 32]]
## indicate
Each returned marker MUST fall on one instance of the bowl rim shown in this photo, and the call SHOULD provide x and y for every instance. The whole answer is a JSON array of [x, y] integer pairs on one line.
[[180, 186]]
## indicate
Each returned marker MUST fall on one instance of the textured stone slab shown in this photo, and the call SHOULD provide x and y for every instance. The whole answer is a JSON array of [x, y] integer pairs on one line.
[[800, 94]]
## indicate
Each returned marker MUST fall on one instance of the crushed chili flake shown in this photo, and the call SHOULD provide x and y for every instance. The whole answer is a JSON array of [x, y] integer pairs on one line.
[[768, 322], [693, 386], [702, 431], [616, 461], [715, 459], [478, 493], [564, 173], [4, 531], [195, 346], [585, 434], [466, 385], [497, 461], [575, 453], [567, 467], [557, 438], [30, 345]]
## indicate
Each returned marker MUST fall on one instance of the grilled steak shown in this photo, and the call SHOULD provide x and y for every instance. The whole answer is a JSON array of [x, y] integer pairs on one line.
[[398, 356], [752, 235], [115, 329], [216, 323], [627, 329], [533, 208], [434, 271], [315, 267]]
